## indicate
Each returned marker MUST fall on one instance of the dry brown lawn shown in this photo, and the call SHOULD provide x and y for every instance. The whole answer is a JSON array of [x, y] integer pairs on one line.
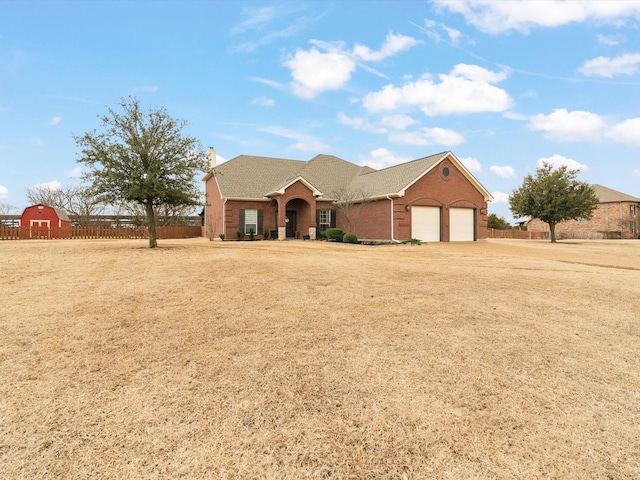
[[307, 360]]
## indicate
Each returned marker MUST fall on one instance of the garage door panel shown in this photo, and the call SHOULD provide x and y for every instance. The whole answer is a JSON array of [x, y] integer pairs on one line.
[[425, 223], [461, 224]]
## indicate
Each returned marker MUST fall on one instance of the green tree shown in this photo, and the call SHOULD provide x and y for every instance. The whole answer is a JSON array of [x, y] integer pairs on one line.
[[144, 158], [553, 196], [499, 223]]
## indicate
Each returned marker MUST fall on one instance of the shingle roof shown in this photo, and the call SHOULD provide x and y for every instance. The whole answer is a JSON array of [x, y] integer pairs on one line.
[[256, 177], [393, 180], [248, 176], [608, 195]]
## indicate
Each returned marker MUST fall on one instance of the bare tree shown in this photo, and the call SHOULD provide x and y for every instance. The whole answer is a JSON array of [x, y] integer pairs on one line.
[[76, 200], [5, 211], [349, 201], [165, 214]]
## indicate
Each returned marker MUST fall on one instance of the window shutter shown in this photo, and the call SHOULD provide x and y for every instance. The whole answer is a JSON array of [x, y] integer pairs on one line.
[[241, 221], [260, 230], [333, 218], [317, 219]]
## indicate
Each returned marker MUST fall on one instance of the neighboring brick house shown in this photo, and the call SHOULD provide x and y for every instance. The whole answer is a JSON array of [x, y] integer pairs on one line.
[[617, 216], [433, 199]]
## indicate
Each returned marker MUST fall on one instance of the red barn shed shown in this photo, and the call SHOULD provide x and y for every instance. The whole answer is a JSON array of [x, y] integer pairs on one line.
[[43, 221]]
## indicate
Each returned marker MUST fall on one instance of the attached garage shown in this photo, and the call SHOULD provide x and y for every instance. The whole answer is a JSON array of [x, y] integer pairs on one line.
[[426, 223], [462, 225]]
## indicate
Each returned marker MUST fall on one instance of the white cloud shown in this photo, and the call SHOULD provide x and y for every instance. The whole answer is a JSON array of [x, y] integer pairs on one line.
[[500, 197], [263, 102], [398, 122], [611, 40], [305, 142], [627, 132], [315, 72], [382, 158], [503, 171], [428, 136], [472, 164], [636, 172], [360, 124], [147, 88], [52, 185], [466, 89], [37, 142], [560, 161], [431, 29], [515, 116], [55, 120], [495, 17], [75, 172], [393, 44], [266, 81], [4, 191], [261, 23], [567, 126], [626, 64], [329, 65]]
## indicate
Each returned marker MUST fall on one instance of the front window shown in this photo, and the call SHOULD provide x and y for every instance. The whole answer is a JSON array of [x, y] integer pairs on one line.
[[582, 220], [250, 221], [324, 220], [633, 227], [632, 210]]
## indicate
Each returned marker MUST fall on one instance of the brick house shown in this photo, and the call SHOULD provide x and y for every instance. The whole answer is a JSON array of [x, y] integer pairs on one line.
[[434, 199], [617, 216]]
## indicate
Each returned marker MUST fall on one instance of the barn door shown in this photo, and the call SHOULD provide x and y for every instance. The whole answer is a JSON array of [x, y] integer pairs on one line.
[[39, 228]]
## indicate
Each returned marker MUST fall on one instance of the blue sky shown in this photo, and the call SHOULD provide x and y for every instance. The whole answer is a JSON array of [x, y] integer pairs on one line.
[[504, 85]]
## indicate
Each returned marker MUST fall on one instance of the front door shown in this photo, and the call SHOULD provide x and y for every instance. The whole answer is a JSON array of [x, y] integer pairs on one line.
[[292, 224]]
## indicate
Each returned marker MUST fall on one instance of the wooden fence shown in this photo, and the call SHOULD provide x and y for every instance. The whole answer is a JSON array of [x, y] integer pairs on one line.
[[519, 234], [96, 232]]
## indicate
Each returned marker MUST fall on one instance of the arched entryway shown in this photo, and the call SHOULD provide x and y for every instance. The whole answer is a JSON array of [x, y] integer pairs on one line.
[[298, 220]]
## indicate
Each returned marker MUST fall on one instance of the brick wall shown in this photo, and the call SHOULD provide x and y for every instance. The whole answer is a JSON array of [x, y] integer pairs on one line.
[[610, 220]]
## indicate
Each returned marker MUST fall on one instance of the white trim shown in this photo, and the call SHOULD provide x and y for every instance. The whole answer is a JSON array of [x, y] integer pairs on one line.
[[314, 190]]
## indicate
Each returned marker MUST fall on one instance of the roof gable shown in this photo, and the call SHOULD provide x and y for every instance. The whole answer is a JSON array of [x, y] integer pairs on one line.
[[608, 195], [252, 177]]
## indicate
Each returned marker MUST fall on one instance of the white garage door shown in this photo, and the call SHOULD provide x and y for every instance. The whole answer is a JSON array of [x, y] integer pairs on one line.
[[425, 223], [461, 224]]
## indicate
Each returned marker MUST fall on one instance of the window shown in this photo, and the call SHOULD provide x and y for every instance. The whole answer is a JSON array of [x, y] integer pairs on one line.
[[632, 226], [324, 221], [250, 219], [582, 220], [632, 210]]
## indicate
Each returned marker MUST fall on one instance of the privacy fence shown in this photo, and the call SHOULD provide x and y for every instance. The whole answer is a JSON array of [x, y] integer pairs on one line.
[[96, 232], [519, 234]]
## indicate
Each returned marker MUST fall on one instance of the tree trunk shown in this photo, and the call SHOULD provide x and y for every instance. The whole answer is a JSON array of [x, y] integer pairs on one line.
[[151, 224], [552, 227]]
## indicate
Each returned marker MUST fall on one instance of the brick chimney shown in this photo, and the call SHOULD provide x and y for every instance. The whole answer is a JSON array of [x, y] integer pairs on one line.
[[211, 156]]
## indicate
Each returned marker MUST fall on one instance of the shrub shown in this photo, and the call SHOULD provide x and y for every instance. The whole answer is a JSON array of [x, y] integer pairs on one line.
[[413, 241], [240, 235], [350, 238], [252, 234], [334, 234], [221, 236], [265, 234]]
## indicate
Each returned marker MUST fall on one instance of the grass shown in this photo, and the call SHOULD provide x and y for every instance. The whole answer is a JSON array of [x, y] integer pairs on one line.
[[293, 360]]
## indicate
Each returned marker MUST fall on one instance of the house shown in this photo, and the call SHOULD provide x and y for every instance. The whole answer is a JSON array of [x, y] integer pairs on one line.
[[43, 221], [433, 199], [616, 216]]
